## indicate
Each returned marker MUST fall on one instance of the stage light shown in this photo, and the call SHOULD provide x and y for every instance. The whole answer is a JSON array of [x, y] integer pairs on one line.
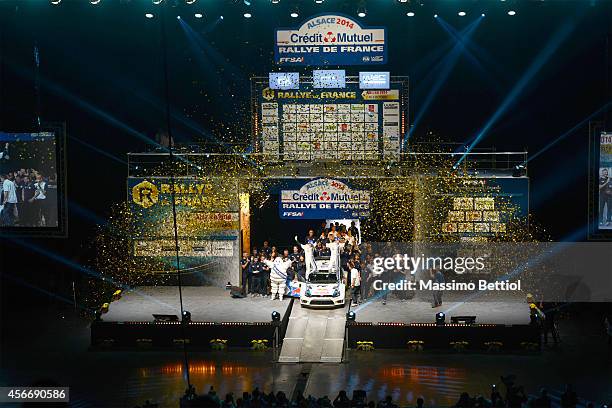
[[361, 12], [276, 316], [178, 17], [410, 14], [186, 316], [156, 2], [295, 13], [149, 15], [440, 317], [220, 17], [319, 1], [350, 316], [461, 13], [247, 15], [190, 1], [94, 2], [511, 13], [403, 1], [55, 2], [198, 15], [482, 15], [435, 16], [274, 1]]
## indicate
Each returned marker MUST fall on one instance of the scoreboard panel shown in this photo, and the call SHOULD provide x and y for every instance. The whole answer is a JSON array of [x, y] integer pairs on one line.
[[319, 124]]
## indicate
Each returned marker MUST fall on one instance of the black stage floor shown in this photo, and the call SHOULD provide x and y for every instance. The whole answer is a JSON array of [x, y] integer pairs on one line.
[[212, 304]]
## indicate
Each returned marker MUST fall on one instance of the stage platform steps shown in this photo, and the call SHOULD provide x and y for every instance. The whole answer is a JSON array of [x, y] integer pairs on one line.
[[314, 336]]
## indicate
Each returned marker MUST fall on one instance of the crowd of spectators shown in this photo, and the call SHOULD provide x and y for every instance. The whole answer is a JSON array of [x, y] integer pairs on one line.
[[514, 397]]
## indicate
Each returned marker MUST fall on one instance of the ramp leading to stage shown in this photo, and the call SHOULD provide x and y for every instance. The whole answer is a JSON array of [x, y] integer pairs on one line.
[[314, 336]]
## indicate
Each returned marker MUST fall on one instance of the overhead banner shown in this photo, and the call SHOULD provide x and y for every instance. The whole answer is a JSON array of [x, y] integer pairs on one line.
[[331, 39], [324, 199]]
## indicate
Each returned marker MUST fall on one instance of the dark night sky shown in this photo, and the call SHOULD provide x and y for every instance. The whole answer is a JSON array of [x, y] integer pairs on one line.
[[101, 73]]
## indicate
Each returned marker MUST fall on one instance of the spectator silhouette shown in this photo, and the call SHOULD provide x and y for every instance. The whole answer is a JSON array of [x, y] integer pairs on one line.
[[342, 400]]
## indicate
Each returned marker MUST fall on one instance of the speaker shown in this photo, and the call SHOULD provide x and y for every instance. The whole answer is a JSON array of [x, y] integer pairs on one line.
[[237, 292]]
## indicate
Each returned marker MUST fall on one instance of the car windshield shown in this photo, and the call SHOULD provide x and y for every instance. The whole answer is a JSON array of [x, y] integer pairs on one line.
[[322, 278]]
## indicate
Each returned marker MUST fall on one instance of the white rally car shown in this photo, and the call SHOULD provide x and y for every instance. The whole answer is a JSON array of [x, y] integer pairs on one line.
[[323, 288]]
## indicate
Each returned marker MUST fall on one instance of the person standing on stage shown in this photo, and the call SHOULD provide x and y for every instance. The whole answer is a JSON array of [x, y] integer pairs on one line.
[[334, 257], [308, 249], [549, 325], [605, 197], [40, 197], [355, 283], [50, 204], [295, 255], [366, 277], [9, 199], [278, 276], [300, 268], [437, 277], [322, 231], [27, 213], [245, 269], [259, 277], [266, 250], [354, 231], [311, 237]]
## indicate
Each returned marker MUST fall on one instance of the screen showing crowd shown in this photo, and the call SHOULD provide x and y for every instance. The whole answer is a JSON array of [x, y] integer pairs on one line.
[[28, 179]]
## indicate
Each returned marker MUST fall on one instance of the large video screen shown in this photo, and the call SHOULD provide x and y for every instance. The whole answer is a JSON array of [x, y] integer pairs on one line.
[[30, 180], [605, 182]]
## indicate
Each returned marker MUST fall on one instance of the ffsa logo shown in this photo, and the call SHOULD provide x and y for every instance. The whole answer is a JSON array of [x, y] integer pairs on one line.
[[293, 214], [290, 59]]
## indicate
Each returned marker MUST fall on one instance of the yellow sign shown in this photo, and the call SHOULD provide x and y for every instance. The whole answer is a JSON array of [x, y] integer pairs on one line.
[[145, 194], [381, 95]]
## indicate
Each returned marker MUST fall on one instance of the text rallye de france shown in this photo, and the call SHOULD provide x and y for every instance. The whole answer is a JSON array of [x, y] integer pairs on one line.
[[331, 39]]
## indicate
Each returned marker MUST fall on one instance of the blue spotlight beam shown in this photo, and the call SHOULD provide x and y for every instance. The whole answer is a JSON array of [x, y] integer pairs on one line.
[[580, 233], [468, 47], [553, 44], [74, 265], [444, 68], [99, 151]]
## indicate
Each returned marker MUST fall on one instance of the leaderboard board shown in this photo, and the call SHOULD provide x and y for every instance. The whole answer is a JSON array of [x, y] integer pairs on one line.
[[350, 123]]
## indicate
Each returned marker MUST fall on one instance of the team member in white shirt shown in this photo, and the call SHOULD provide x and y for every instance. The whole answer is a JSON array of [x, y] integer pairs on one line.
[[334, 258], [308, 248], [9, 199]]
